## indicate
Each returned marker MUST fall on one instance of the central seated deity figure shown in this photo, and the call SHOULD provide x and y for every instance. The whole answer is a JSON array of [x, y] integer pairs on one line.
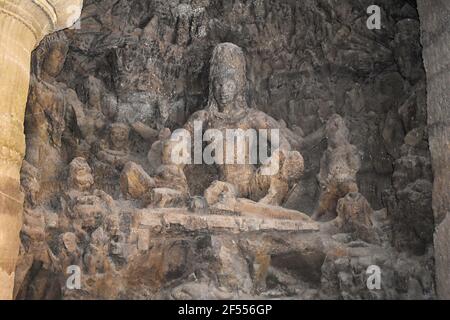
[[227, 110]]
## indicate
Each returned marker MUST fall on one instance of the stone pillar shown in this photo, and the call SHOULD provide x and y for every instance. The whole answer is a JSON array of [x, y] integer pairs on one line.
[[435, 27], [23, 24]]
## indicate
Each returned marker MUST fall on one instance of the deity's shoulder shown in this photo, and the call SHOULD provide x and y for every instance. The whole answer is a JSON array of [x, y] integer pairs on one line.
[[198, 116], [261, 120]]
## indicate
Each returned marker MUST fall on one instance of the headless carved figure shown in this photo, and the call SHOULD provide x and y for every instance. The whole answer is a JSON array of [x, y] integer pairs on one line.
[[338, 169]]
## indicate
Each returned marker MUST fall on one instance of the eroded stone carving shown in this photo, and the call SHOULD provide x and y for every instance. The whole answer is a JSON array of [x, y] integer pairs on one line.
[[169, 174], [93, 213], [116, 153], [168, 187], [46, 109], [24, 23], [355, 217], [272, 189], [80, 175], [135, 182], [156, 76], [338, 169], [92, 120], [228, 109]]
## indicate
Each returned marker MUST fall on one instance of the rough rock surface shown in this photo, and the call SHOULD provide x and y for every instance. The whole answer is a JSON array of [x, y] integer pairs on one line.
[[98, 178], [338, 168], [435, 35]]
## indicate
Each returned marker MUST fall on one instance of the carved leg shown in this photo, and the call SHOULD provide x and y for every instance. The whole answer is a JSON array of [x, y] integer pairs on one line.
[[327, 204], [329, 198], [276, 194]]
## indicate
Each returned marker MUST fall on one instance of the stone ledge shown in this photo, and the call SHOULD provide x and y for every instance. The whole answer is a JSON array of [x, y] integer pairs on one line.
[[170, 218]]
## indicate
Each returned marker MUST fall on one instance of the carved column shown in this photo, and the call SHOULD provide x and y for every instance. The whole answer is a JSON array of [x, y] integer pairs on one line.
[[23, 24], [435, 20]]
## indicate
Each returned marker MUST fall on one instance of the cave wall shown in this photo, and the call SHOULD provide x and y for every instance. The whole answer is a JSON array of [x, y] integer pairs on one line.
[[435, 26], [23, 24], [148, 61], [306, 60]]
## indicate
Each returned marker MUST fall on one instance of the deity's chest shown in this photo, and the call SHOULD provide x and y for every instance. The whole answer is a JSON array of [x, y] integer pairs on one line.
[[237, 139], [225, 123], [237, 142]]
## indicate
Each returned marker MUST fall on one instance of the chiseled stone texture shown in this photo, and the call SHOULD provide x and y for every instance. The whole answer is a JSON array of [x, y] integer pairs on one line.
[[169, 218], [23, 24], [436, 51], [112, 91]]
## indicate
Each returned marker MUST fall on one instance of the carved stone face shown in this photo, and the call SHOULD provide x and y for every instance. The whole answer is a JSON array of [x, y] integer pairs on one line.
[[119, 135], [80, 175], [225, 91], [54, 61], [228, 78]]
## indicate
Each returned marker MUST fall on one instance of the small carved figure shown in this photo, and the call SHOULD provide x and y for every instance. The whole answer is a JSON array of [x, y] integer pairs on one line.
[[168, 181], [91, 120], [89, 209], [154, 156], [80, 175], [117, 152], [355, 216], [338, 169]]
